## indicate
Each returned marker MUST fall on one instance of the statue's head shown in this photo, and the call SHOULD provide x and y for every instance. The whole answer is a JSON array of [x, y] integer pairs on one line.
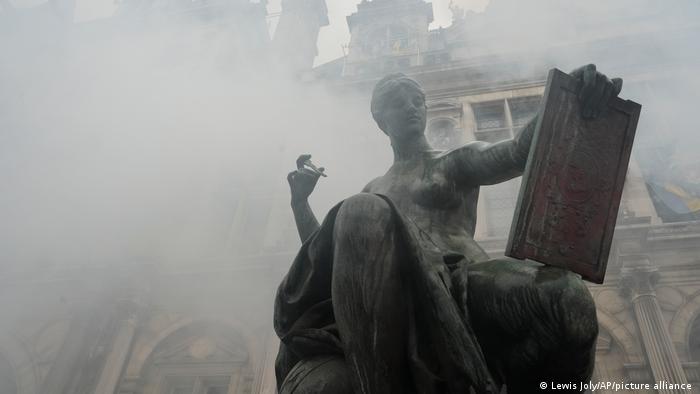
[[398, 106]]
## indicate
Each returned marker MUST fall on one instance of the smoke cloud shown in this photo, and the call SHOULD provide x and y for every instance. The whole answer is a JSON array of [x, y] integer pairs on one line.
[[127, 144]]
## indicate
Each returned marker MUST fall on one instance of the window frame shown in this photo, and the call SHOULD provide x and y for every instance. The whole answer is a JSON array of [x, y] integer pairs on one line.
[[497, 223]]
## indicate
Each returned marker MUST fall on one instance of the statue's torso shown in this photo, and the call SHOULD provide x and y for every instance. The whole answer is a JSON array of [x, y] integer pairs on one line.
[[422, 191]]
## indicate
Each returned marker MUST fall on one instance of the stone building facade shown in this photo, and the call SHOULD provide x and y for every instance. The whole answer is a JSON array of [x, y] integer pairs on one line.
[[199, 328]]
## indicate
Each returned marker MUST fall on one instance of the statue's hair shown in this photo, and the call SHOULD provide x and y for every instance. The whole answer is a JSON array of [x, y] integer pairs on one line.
[[385, 87]]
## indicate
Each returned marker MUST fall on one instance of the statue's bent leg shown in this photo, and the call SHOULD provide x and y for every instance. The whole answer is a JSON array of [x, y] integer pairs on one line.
[[535, 323], [368, 295]]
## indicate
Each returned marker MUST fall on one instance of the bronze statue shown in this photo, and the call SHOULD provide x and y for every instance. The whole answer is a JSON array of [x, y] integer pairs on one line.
[[391, 294]]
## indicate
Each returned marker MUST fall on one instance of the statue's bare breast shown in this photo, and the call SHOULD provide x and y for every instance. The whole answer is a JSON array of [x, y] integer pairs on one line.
[[422, 191]]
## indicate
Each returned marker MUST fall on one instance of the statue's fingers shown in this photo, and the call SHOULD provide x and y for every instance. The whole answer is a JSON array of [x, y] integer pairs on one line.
[[589, 79], [589, 72], [605, 98], [601, 96], [577, 72], [301, 159], [590, 105], [617, 86], [290, 176], [309, 172]]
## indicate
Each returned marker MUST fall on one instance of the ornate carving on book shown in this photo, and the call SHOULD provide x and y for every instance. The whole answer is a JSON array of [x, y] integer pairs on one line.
[[573, 182]]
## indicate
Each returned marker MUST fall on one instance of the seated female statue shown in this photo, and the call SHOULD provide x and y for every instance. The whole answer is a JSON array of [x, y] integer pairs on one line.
[[392, 295]]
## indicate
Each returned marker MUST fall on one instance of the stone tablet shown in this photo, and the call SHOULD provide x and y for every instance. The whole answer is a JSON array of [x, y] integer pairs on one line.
[[572, 185]]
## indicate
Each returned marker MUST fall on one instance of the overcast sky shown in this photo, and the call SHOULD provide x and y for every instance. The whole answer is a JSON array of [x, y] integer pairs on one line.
[[332, 37]]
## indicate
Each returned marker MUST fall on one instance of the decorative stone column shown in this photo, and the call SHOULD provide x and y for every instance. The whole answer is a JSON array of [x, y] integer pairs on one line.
[[130, 303], [127, 312], [639, 279]]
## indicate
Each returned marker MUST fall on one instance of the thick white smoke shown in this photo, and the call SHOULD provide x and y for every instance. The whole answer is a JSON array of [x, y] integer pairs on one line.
[[124, 144]]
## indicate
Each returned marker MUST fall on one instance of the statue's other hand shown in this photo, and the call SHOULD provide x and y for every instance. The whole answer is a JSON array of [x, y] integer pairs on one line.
[[596, 90], [302, 181]]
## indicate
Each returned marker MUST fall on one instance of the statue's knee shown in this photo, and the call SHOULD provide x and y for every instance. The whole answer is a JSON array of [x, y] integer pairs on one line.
[[576, 309], [363, 212]]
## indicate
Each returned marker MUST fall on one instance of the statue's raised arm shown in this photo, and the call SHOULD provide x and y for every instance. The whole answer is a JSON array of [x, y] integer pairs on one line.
[[483, 163], [302, 182]]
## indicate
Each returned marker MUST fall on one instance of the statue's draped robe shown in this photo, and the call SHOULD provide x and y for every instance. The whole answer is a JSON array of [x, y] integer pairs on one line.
[[444, 356]]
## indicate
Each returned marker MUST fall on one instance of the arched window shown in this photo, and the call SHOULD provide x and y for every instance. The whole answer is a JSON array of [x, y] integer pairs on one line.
[[443, 134], [202, 358], [495, 121]]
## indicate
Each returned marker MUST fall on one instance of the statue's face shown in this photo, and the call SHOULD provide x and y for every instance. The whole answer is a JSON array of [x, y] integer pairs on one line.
[[404, 115]]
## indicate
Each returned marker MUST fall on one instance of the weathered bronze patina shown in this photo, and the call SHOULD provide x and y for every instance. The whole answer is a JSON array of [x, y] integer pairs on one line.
[[392, 295]]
